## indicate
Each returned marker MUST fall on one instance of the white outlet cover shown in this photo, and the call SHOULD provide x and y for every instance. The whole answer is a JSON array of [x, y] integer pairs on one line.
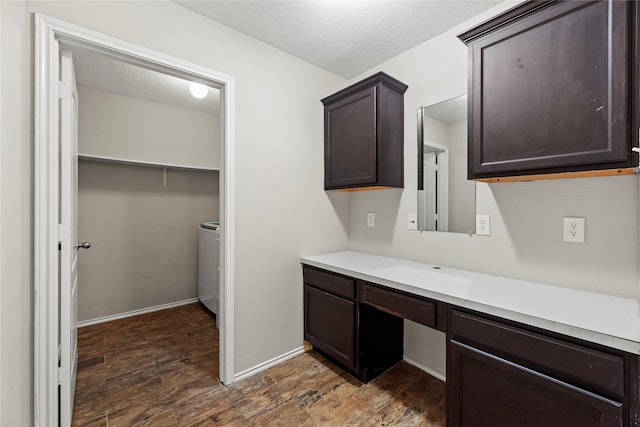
[[573, 229], [483, 225], [412, 222]]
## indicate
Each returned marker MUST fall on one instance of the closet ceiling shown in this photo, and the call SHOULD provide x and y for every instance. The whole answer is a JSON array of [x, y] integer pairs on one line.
[[344, 37], [105, 73]]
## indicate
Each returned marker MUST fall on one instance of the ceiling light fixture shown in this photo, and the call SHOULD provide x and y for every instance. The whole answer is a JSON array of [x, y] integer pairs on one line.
[[198, 90]]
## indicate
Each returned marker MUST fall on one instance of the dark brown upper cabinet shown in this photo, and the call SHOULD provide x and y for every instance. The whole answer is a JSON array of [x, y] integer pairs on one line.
[[363, 135], [553, 90]]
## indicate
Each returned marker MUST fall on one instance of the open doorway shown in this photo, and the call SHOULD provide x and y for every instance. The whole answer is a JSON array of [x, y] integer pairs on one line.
[[149, 160], [51, 35]]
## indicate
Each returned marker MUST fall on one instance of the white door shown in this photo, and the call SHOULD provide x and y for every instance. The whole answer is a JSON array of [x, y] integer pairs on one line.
[[431, 191], [69, 235]]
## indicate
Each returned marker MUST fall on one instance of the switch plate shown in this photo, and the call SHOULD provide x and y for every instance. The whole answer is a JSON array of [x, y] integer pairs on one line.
[[371, 219], [483, 225], [412, 222], [574, 229]]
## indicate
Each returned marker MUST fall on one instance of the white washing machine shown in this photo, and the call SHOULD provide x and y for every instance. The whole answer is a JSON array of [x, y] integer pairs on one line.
[[208, 265]]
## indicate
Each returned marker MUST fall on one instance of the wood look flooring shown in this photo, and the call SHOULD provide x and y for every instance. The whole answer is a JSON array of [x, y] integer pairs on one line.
[[160, 369]]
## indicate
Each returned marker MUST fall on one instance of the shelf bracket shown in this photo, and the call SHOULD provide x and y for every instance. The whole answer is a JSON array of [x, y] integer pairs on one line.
[[165, 170]]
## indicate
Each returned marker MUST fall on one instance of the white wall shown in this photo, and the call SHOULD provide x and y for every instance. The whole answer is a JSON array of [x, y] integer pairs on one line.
[[114, 125], [282, 211], [16, 226], [144, 237], [526, 218], [462, 192], [1, 223]]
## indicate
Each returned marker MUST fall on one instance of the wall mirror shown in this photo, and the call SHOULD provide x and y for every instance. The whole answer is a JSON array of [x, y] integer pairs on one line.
[[446, 198]]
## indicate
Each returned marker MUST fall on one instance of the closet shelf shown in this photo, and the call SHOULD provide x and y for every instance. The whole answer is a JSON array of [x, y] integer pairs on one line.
[[103, 159]]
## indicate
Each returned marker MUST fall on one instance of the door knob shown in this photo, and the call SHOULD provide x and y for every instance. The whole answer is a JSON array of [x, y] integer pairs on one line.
[[83, 245]]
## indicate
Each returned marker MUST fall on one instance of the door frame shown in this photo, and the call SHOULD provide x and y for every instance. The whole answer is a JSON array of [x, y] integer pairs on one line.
[[49, 32]]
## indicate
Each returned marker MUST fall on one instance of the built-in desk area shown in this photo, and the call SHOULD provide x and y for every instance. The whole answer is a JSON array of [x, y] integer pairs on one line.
[[518, 353]]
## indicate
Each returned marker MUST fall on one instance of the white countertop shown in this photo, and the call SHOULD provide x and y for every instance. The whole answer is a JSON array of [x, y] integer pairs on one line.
[[603, 319]]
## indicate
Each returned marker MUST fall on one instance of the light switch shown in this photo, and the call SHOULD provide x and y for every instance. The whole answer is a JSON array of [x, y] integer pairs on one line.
[[371, 219]]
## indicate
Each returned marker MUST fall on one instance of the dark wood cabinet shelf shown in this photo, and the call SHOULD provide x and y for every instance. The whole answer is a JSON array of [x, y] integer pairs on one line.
[[553, 89], [363, 135]]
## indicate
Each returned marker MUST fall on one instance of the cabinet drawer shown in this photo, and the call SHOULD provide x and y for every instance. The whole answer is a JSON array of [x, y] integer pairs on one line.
[[394, 302], [579, 365], [337, 285]]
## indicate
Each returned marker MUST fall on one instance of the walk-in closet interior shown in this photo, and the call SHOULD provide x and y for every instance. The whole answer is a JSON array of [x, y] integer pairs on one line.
[[148, 177]]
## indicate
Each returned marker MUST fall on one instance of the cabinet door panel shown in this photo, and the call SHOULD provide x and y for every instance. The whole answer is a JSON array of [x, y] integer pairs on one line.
[[550, 92], [329, 324], [487, 391], [350, 140]]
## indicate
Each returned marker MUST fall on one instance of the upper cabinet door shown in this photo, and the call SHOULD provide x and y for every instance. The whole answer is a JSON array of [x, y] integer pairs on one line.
[[363, 135], [551, 90], [350, 140]]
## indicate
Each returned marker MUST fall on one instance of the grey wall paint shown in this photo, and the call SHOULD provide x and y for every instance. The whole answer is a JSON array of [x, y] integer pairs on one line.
[[16, 224], [282, 211], [462, 192], [526, 218], [118, 126], [144, 237]]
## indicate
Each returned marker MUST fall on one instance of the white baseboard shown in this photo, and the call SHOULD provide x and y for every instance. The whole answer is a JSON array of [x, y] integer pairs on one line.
[[423, 367], [268, 364], [135, 312]]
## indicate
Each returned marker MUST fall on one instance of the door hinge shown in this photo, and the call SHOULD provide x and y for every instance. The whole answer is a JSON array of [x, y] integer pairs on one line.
[[64, 90], [63, 233], [63, 375]]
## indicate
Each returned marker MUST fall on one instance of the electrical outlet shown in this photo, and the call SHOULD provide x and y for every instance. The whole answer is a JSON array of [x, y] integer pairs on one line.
[[483, 225], [412, 222], [573, 230], [371, 219]]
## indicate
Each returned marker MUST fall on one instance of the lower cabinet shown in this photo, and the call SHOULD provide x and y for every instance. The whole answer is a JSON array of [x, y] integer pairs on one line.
[[362, 339], [489, 391], [501, 375], [330, 324]]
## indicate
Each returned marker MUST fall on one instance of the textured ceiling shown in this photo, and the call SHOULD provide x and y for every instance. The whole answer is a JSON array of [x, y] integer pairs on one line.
[[344, 37], [101, 72]]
